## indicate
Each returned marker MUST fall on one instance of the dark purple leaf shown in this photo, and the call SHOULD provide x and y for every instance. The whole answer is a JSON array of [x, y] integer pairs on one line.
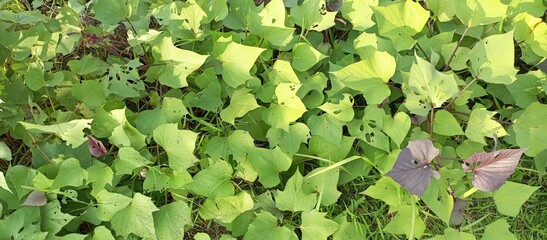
[[456, 217], [96, 147], [492, 169], [411, 170]]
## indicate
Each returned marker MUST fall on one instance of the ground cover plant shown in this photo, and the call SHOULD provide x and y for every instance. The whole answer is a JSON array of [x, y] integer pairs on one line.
[[273, 119]]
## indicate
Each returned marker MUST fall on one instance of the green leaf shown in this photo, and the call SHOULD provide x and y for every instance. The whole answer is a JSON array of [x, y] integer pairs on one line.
[[282, 72], [290, 141], [124, 134], [327, 127], [427, 88], [311, 15], [316, 226], [359, 13], [444, 10], [498, 230], [474, 12], [156, 180], [125, 79], [481, 125], [510, 197], [529, 128], [112, 11], [172, 111], [109, 203], [22, 224], [128, 160], [340, 109], [305, 57], [18, 177], [227, 208], [171, 220], [453, 234], [179, 145], [53, 218], [269, 24], [407, 221], [445, 124], [179, 63], [438, 199], [70, 174], [369, 76], [385, 189], [100, 175], [350, 231], [269, 163], [397, 127], [213, 181], [71, 132], [235, 65], [324, 185], [136, 218], [5, 152], [293, 198], [265, 227], [490, 64], [90, 92], [3, 183], [101, 232], [527, 87], [287, 109], [400, 22], [241, 102], [88, 65]]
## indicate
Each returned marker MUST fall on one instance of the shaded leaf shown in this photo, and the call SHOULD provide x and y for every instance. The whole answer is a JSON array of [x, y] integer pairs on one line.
[[96, 147], [412, 169], [36, 198]]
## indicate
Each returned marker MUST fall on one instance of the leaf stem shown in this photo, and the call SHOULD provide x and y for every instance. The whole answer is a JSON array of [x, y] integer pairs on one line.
[[422, 50], [469, 192], [460, 93], [447, 65]]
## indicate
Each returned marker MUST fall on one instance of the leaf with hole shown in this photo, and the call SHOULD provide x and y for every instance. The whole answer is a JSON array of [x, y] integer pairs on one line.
[[493, 168], [412, 169]]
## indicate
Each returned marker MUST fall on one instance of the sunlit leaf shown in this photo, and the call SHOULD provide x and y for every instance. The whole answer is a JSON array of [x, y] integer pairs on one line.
[[369, 76], [492, 169], [316, 226], [510, 197], [293, 198]]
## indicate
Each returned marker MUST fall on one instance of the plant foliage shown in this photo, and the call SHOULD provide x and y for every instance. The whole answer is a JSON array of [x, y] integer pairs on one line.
[[268, 119]]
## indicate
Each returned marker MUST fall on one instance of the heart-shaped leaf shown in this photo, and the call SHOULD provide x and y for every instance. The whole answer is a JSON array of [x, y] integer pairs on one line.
[[412, 169], [493, 168]]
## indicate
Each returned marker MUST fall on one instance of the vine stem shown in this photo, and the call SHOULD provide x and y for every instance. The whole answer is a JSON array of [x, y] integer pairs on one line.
[[455, 49], [460, 93]]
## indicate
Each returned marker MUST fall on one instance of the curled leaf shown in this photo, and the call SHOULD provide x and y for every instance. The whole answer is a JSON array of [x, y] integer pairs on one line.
[[492, 169], [36, 198], [411, 170], [96, 147]]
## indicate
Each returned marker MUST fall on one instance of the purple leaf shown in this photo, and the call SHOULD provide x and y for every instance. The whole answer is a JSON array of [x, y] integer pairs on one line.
[[492, 169], [96, 147], [412, 169], [456, 217], [36, 198]]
